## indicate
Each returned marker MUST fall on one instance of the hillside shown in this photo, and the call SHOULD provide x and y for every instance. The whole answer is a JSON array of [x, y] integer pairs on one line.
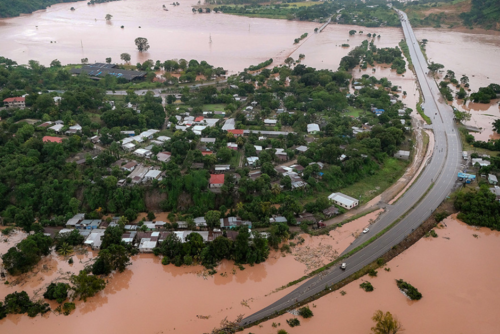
[[454, 13]]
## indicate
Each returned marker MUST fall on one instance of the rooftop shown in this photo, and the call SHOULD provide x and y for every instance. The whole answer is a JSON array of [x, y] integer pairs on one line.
[[216, 178], [52, 139], [100, 70]]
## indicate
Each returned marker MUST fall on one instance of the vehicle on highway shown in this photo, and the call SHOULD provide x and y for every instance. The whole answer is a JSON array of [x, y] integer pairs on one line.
[[366, 230], [343, 266]]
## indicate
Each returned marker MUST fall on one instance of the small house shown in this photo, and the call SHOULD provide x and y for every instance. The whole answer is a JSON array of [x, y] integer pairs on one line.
[[405, 155], [344, 201], [216, 180], [492, 179], [312, 128]]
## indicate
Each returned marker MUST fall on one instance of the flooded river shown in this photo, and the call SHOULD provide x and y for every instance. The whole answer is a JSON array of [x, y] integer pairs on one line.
[[457, 274], [151, 298], [474, 53]]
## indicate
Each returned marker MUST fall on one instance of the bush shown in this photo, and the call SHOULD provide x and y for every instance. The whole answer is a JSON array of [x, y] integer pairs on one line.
[[70, 261], [66, 308], [293, 322], [305, 312], [440, 216], [188, 260], [282, 331], [367, 286], [165, 261], [7, 230], [409, 290], [433, 234], [57, 292], [372, 273], [380, 261]]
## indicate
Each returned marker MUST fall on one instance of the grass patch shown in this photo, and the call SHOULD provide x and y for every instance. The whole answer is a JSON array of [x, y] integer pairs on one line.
[[426, 118], [354, 112], [213, 107], [235, 159], [366, 189]]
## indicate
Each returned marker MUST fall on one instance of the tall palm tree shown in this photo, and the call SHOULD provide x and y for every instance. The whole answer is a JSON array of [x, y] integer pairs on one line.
[[65, 249]]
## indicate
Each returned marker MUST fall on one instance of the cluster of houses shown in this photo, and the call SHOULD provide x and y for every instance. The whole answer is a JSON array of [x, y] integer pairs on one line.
[[139, 173], [57, 127], [93, 230]]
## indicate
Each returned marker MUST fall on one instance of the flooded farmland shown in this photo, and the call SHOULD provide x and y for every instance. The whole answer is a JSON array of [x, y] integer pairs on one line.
[[455, 272]]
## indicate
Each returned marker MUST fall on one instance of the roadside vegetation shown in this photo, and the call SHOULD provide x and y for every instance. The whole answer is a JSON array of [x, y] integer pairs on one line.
[[479, 208]]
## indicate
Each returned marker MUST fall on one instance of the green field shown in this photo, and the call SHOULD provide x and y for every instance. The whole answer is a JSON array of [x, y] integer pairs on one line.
[[213, 107], [235, 159], [367, 188], [354, 112]]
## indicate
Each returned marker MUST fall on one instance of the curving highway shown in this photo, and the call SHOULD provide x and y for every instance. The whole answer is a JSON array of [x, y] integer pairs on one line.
[[438, 178]]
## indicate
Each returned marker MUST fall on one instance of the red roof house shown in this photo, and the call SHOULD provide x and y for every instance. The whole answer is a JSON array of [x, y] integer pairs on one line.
[[52, 139], [207, 153], [236, 132], [216, 180], [199, 119], [15, 102]]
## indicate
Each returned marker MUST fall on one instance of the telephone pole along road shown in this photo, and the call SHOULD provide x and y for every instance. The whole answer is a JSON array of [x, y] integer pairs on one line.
[[437, 179]]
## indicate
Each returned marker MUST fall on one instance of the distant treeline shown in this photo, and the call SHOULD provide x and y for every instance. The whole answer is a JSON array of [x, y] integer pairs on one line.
[[483, 12], [10, 8]]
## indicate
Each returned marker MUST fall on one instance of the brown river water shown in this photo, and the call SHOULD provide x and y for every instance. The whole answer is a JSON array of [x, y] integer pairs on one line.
[[474, 53], [456, 273], [151, 298]]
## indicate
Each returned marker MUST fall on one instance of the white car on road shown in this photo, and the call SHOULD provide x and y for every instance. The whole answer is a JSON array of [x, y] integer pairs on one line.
[[366, 230]]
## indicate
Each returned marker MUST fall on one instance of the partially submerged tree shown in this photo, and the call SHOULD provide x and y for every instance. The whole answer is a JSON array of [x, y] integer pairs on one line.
[[142, 44], [385, 323], [85, 285], [108, 17]]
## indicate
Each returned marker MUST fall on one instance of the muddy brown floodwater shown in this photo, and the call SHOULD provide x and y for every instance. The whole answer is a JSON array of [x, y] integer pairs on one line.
[[457, 274], [151, 298], [474, 53]]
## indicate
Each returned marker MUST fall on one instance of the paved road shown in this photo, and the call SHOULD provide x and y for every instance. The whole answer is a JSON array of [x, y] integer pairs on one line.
[[441, 171]]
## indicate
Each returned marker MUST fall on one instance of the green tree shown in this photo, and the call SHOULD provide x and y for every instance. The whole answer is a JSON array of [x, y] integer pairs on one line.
[[26, 254], [115, 257], [213, 219], [125, 57], [385, 323], [85, 285], [112, 236], [65, 249], [496, 125], [55, 63], [57, 292], [108, 17], [434, 67], [142, 44], [108, 60]]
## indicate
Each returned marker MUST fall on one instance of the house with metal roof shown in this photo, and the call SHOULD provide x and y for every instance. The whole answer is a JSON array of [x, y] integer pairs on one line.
[[99, 70], [344, 201]]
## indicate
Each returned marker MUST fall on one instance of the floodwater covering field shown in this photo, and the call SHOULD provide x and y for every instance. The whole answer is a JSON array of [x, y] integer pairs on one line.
[[457, 274], [474, 53], [151, 298]]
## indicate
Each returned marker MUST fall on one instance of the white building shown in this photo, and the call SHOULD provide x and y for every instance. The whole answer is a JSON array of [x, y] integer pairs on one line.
[[141, 152], [56, 128], [312, 128], [94, 240], [344, 201], [153, 174], [163, 138]]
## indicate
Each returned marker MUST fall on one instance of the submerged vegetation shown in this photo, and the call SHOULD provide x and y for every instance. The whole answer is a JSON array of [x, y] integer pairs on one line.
[[409, 290]]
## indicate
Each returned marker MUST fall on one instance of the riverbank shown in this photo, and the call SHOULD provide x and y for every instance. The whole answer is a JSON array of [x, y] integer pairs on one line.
[[456, 287]]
